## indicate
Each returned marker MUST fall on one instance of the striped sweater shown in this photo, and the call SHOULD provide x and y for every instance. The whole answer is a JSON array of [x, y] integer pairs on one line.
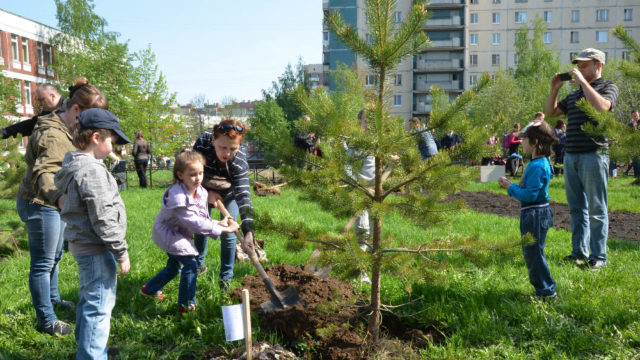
[[236, 171], [577, 140]]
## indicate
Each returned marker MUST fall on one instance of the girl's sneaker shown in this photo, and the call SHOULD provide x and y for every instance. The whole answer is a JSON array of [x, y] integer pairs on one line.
[[158, 294], [188, 309]]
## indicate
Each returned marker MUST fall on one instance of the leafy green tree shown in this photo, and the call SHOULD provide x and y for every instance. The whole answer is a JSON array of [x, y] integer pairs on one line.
[[347, 138], [12, 167], [285, 90]]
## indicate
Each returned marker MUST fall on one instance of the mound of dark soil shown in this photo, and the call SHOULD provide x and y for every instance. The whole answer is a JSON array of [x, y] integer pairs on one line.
[[622, 224]]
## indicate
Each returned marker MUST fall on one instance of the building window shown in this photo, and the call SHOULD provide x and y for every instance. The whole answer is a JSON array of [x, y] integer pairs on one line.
[[628, 14], [602, 15], [474, 18], [398, 80], [27, 93], [398, 16], [495, 39], [473, 60], [325, 36], [25, 50], [521, 1], [572, 55], [370, 80], [626, 55], [397, 100], [473, 39], [495, 59], [475, 2], [547, 38], [575, 15], [515, 59], [368, 38], [495, 18], [602, 36], [521, 17], [574, 37], [547, 16], [473, 79], [496, 1], [48, 52], [40, 55], [14, 48]]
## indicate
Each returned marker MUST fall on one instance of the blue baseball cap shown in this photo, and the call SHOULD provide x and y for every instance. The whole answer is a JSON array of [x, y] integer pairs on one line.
[[96, 118]]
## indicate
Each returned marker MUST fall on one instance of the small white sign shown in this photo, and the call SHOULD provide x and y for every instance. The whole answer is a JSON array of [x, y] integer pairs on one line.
[[233, 322]]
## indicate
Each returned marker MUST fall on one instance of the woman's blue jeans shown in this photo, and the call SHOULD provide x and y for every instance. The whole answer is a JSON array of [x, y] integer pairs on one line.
[[227, 245], [97, 296], [188, 277], [44, 229], [537, 221], [586, 176]]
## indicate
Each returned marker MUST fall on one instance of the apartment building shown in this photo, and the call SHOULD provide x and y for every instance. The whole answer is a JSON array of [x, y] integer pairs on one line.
[[26, 56], [470, 37]]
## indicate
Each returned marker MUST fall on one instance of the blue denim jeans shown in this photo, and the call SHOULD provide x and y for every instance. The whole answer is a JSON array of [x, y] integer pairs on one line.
[[44, 229], [97, 296], [537, 221], [227, 245], [188, 277], [585, 183]]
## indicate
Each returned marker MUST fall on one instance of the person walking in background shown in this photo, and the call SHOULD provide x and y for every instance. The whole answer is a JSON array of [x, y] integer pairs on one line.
[[510, 144], [536, 216], [96, 226], [39, 199], [426, 141], [635, 162], [558, 148], [141, 152], [184, 212], [49, 99], [226, 177], [586, 159]]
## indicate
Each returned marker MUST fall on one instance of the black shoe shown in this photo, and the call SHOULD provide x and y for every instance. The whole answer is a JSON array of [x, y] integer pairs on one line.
[[548, 298], [66, 304], [578, 260], [225, 286], [58, 327], [596, 264]]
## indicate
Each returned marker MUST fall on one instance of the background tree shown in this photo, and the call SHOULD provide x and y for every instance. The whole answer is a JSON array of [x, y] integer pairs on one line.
[[12, 168], [344, 140], [284, 91]]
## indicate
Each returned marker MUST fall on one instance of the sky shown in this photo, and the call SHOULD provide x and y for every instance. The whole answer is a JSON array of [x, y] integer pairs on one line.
[[219, 49]]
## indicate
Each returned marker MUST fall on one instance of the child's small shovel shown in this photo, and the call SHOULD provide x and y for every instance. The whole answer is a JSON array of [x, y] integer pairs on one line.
[[279, 299]]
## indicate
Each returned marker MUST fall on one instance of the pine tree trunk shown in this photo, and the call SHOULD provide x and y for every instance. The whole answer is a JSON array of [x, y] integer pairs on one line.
[[375, 317]]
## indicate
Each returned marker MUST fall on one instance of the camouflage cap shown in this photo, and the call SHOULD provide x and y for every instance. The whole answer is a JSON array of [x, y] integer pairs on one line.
[[589, 54]]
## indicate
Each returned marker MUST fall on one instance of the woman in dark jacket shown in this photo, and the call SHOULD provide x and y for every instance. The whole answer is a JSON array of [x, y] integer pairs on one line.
[[141, 154]]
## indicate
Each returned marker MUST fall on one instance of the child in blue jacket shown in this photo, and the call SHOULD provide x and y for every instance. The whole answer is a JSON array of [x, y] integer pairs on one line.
[[536, 216]]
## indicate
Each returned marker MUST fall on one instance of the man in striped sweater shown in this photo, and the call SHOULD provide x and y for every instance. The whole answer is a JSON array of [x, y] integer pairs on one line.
[[586, 161]]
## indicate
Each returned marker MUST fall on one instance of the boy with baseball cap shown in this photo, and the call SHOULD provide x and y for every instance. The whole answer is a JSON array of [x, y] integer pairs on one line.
[[96, 226]]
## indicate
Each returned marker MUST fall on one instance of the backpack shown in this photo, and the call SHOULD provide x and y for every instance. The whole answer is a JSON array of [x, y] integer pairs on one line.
[[506, 140]]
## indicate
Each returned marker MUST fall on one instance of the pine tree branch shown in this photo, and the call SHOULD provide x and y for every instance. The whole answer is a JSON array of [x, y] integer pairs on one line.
[[365, 190]]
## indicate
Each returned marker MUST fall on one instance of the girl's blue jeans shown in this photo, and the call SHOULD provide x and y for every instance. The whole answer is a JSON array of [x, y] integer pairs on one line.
[[188, 277], [537, 221], [227, 245]]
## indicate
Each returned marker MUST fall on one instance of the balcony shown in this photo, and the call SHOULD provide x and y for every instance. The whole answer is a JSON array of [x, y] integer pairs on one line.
[[423, 87], [455, 21], [421, 108], [453, 43], [445, 4], [439, 65]]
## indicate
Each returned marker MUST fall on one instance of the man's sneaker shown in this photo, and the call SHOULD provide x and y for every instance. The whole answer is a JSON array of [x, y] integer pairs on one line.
[[225, 286], [58, 327], [578, 260], [66, 304], [548, 298], [158, 295], [596, 264], [188, 309], [202, 269]]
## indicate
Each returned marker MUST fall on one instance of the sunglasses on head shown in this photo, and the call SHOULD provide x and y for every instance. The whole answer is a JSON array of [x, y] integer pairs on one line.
[[225, 128]]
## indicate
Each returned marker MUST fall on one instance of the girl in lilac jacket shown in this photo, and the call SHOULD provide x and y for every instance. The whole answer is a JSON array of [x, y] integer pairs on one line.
[[184, 212]]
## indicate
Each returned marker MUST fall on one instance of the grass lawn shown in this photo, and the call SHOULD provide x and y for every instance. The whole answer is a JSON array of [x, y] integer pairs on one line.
[[483, 305]]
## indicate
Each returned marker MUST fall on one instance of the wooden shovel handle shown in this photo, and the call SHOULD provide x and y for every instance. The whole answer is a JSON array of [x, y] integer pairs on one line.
[[254, 258]]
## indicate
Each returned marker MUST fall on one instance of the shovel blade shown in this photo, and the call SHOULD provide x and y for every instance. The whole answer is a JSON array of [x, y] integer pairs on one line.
[[284, 299]]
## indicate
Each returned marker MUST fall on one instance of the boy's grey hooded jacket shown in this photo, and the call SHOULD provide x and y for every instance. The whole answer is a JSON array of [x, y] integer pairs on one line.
[[93, 209]]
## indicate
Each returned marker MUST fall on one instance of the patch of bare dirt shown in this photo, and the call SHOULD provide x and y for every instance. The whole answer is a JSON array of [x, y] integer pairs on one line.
[[622, 224]]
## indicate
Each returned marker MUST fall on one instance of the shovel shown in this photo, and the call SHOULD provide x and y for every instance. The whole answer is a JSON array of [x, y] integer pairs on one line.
[[279, 299]]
